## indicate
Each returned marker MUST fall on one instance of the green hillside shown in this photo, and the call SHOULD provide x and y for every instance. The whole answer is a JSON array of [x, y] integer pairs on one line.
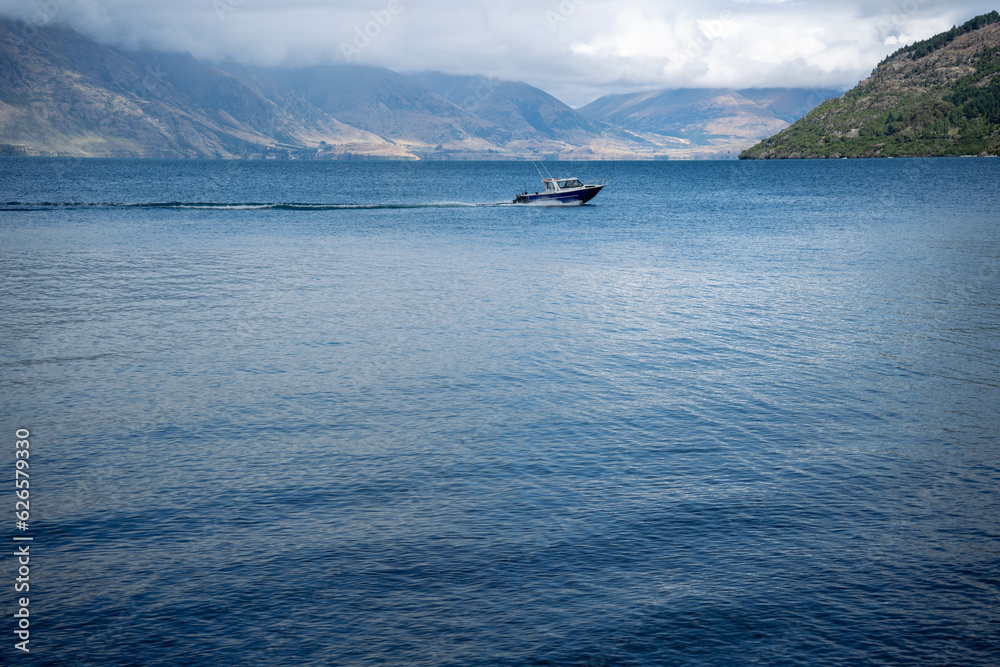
[[937, 97]]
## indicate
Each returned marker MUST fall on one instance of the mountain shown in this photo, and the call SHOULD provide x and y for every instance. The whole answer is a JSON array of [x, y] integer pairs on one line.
[[789, 104], [708, 117], [533, 116], [63, 94], [937, 97], [437, 115], [390, 105]]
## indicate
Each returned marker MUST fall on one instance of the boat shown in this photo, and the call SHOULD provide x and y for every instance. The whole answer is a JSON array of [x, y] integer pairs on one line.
[[561, 191]]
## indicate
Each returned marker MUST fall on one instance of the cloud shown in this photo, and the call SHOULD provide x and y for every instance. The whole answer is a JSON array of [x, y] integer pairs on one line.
[[575, 49]]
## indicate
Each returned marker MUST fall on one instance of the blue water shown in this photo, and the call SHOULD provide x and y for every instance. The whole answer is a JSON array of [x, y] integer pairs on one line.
[[728, 413]]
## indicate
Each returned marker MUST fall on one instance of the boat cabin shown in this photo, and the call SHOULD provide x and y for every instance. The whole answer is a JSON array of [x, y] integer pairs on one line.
[[552, 184]]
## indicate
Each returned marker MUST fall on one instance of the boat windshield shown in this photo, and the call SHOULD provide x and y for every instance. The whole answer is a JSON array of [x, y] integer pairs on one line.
[[570, 183]]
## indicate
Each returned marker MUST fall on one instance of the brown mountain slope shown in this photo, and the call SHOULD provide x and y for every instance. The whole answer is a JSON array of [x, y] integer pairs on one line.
[[63, 94]]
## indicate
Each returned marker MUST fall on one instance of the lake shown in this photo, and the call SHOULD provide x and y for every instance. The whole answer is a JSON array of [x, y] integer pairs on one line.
[[367, 413]]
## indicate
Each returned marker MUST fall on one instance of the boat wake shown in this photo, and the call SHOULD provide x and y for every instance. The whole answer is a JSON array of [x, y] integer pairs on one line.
[[232, 206]]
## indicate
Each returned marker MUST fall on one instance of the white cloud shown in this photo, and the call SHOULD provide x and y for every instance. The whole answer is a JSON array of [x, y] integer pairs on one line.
[[575, 49]]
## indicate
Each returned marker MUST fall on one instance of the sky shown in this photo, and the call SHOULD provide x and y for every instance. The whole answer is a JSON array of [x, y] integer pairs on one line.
[[576, 50]]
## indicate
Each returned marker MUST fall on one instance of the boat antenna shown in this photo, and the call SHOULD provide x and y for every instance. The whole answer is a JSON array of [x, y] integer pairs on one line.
[[540, 170]]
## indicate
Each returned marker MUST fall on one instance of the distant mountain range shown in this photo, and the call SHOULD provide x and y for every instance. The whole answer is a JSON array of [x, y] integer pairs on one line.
[[937, 97], [707, 116], [532, 117], [474, 117], [64, 94]]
